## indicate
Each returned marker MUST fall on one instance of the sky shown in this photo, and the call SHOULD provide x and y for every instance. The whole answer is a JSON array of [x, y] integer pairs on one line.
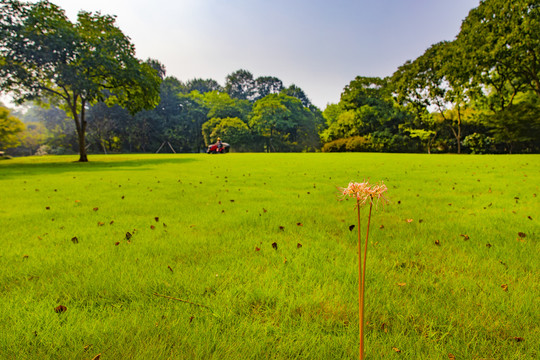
[[317, 45]]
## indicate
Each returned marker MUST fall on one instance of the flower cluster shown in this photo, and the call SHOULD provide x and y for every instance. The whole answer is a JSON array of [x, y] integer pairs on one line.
[[365, 192]]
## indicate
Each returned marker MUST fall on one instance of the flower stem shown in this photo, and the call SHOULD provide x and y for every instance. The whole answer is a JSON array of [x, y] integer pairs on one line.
[[360, 284], [363, 287]]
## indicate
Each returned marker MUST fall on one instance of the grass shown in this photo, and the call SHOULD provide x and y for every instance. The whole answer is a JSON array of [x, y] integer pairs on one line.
[[456, 280]]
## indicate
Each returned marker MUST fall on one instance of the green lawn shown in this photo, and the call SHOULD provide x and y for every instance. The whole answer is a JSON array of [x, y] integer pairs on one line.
[[459, 279]]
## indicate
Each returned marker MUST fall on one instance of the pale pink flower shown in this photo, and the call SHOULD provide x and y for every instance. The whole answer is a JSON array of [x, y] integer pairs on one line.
[[364, 192]]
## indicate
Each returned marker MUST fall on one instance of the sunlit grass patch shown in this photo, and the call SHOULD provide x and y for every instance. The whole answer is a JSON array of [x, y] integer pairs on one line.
[[202, 229]]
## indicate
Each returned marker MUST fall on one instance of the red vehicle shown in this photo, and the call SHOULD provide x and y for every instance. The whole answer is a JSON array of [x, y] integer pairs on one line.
[[214, 149]]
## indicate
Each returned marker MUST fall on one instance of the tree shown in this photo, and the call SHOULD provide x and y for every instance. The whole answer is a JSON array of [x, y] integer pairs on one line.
[[284, 124], [43, 54], [368, 113], [231, 130], [434, 81], [34, 135], [10, 126], [499, 45], [298, 93], [266, 85], [62, 137], [221, 105], [240, 85], [201, 85]]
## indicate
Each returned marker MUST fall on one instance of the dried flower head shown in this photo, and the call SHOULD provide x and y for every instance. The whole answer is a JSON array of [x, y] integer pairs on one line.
[[365, 192]]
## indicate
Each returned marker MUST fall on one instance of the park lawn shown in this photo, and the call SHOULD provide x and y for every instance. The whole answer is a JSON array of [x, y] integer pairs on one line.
[[453, 262]]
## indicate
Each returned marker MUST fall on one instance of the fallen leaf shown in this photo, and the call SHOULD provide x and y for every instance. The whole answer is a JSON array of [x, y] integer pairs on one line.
[[60, 309], [97, 357], [298, 246], [351, 227], [264, 210], [402, 284], [128, 235], [87, 347], [95, 209], [396, 349], [488, 245], [299, 224], [521, 234], [77, 201], [466, 237], [75, 240], [274, 245], [100, 223], [257, 249], [504, 287], [381, 227], [152, 227], [25, 256], [117, 243], [451, 357], [409, 220], [437, 242]]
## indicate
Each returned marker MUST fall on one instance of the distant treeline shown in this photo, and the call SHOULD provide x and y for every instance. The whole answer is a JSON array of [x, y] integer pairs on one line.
[[479, 93]]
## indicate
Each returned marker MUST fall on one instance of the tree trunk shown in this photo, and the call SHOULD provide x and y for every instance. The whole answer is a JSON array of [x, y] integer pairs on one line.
[[82, 143], [80, 125]]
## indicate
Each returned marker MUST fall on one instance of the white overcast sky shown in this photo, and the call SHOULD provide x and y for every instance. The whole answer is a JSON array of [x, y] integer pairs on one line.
[[318, 45]]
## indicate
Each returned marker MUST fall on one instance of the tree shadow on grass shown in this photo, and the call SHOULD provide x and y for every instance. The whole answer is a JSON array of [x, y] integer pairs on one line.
[[63, 165]]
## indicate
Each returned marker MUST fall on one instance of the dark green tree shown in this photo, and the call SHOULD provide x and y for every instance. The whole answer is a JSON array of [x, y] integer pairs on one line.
[[499, 47], [283, 124], [266, 85], [298, 93], [43, 54], [241, 85], [201, 85]]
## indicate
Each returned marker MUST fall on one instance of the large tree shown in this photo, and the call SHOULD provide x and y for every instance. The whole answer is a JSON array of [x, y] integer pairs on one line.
[[435, 81], [499, 46], [44, 54]]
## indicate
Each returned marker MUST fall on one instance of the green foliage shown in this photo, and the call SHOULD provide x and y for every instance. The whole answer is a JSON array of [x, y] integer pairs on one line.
[[10, 126], [240, 85], [231, 130], [351, 144], [201, 85], [284, 124], [518, 125], [221, 105], [366, 110], [478, 143], [498, 45]]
